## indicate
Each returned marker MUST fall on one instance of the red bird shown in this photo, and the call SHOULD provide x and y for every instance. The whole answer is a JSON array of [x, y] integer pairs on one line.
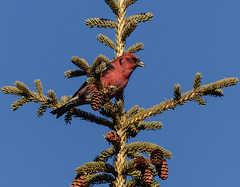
[[114, 78]]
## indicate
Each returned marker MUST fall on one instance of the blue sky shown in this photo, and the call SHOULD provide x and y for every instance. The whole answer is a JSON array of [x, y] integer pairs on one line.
[[37, 41]]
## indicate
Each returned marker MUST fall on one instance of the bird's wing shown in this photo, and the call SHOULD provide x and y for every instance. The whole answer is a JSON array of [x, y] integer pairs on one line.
[[83, 85], [107, 69]]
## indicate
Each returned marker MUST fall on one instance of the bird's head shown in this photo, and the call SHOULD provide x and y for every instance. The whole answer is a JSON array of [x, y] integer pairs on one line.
[[129, 62]]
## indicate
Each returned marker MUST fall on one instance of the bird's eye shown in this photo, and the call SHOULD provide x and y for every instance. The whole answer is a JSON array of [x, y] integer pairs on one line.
[[134, 59]]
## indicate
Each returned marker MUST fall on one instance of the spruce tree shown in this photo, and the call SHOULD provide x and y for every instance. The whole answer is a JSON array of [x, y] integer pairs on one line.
[[142, 162]]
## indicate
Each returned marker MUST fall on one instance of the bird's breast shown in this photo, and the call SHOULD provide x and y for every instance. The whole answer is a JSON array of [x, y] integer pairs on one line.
[[114, 80]]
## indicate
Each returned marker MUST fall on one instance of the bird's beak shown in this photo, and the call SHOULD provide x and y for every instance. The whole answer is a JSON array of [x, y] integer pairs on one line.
[[141, 64]]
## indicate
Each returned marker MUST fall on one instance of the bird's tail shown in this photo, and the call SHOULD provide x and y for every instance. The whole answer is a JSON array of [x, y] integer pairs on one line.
[[59, 111], [63, 109]]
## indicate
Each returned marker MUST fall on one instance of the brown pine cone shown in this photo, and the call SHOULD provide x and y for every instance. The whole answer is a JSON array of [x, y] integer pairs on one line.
[[97, 100], [134, 132], [140, 163], [113, 137], [156, 157], [147, 177], [79, 181], [162, 170]]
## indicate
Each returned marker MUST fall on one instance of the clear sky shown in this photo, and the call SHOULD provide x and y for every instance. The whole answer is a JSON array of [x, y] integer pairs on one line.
[[37, 41]]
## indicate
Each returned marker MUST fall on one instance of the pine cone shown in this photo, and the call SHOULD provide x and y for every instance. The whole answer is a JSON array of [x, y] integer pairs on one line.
[[162, 170], [160, 163], [156, 157], [113, 137], [97, 100], [147, 177], [134, 132], [79, 181], [140, 163]]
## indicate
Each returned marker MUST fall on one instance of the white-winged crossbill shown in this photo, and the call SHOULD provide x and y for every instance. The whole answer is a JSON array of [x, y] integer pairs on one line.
[[114, 79]]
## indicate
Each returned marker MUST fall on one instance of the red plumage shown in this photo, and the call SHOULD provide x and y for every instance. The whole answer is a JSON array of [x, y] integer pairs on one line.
[[114, 79]]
